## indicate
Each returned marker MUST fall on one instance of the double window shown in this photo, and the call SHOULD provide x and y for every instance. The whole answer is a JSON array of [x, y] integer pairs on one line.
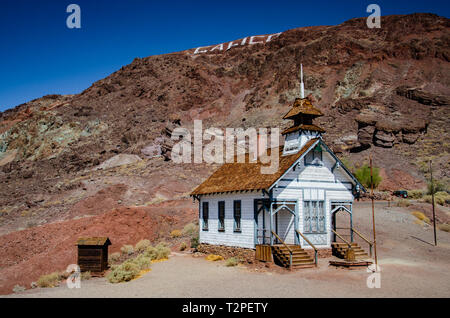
[[237, 215], [314, 217], [205, 215], [221, 216]]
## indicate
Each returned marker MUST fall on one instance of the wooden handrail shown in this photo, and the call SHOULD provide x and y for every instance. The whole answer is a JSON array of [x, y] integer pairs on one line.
[[289, 249], [311, 244], [345, 241], [362, 236]]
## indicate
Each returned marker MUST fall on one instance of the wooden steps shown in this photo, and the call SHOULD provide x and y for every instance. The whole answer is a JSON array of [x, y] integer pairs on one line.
[[300, 258], [340, 250]]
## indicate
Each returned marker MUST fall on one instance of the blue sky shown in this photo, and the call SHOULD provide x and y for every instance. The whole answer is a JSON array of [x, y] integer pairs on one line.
[[39, 55]]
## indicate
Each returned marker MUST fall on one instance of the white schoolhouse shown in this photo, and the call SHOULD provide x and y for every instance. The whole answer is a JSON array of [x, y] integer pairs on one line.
[[285, 212]]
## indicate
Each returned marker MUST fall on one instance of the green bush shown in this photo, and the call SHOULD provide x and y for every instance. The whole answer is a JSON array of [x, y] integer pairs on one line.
[[49, 280], [190, 229], [440, 198], [142, 261], [160, 251], [123, 273], [195, 241], [127, 249], [232, 261], [142, 245], [363, 176], [415, 194]]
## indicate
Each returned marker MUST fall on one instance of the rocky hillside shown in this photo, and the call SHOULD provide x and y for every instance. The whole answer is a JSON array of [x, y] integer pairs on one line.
[[384, 91]]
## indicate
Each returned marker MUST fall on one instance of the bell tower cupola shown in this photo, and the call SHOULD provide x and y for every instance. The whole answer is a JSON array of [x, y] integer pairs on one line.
[[303, 129]]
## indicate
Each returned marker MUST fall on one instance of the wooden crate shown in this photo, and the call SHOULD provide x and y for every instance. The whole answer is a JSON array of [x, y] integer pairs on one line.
[[93, 253]]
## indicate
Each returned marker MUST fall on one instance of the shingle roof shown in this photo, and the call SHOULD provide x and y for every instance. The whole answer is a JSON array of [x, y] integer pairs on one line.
[[303, 127], [247, 176], [100, 241], [302, 106]]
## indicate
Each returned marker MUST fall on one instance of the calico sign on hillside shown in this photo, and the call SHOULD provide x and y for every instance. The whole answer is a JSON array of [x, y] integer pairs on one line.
[[250, 40]]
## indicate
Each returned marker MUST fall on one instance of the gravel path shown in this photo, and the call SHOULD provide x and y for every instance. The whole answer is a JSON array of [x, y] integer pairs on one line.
[[410, 267]]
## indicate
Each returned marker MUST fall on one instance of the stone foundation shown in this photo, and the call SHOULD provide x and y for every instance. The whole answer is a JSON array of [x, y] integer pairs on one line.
[[244, 254]]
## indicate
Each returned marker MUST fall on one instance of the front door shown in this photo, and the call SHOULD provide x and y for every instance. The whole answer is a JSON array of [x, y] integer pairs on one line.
[[262, 214]]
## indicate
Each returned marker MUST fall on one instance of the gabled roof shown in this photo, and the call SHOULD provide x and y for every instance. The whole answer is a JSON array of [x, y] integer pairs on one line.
[[247, 176], [302, 106], [98, 241], [311, 127], [231, 177]]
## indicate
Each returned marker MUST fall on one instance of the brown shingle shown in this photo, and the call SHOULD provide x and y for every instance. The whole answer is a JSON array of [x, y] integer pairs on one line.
[[303, 127], [247, 176], [100, 241], [302, 106]]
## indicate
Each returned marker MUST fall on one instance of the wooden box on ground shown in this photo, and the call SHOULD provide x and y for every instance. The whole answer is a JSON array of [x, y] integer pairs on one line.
[[93, 253]]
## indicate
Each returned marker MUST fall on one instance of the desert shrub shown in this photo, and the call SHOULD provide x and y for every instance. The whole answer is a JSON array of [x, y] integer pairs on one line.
[[86, 275], [49, 280], [18, 289], [160, 251], [142, 245], [440, 198], [439, 186], [123, 273], [363, 176], [415, 194], [421, 216], [195, 241], [403, 203], [190, 229], [175, 233], [232, 261], [214, 257], [114, 257], [183, 246], [127, 249], [444, 227], [142, 261]]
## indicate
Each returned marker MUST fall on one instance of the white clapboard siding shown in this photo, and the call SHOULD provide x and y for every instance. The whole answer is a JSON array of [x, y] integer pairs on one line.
[[230, 238]]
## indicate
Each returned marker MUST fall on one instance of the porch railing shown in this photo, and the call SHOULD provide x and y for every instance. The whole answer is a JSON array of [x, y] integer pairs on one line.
[[311, 244], [288, 248], [365, 239], [343, 239]]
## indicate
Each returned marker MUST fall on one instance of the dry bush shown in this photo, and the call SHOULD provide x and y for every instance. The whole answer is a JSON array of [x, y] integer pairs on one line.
[[440, 198], [160, 251], [127, 249], [214, 258], [183, 246], [114, 257], [123, 273], [142, 261], [421, 216], [49, 280], [142, 245], [232, 261], [444, 227], [416, 194], [18, 289], [175, 233], [403, 203], [86, 275], [190, 229]]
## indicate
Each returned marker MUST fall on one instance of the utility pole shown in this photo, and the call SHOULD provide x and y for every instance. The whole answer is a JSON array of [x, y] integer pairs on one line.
[[373, 214], [432, 203]]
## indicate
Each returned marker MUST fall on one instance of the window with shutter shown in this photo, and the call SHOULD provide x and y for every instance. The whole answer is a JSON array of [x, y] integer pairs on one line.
[[221, 216], [237, 215]]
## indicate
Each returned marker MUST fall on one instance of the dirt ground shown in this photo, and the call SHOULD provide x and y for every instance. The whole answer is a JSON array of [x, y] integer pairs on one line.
[[410, 267]]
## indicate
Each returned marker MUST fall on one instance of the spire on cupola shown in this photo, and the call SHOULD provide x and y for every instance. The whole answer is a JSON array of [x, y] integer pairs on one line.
[[302, 113]]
